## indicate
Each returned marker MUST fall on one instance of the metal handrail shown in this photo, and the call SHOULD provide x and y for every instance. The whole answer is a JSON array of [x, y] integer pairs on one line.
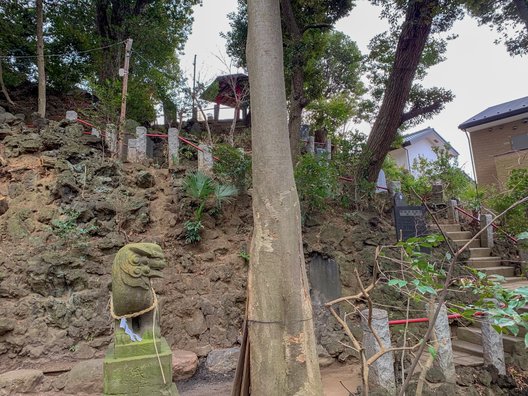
[[495, 226]]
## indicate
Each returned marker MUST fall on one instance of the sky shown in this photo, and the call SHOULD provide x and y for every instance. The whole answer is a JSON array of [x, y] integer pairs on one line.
[[479, 73]]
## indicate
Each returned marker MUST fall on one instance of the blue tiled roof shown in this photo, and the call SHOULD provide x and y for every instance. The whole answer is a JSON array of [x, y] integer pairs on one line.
[[498, 112]]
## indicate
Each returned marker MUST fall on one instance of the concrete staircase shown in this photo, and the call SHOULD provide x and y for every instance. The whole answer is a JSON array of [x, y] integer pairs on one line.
[[467, 341]]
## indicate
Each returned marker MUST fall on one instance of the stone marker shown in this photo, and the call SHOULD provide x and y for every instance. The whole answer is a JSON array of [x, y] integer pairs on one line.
[[174, 147], [111, 138], [381, 372], [205, 159], [452, 212], [444, 356], [311, 144], [486, 238], [139, 362], [71, 115], [492, 346], [141, 143]]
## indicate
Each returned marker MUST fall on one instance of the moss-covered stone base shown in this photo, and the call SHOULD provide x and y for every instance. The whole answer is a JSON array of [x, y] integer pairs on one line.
[[139, 375]]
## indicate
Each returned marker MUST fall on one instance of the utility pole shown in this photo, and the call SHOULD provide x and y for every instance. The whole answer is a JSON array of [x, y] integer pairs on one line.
[[194, 111], [122, 117], [40, 61]]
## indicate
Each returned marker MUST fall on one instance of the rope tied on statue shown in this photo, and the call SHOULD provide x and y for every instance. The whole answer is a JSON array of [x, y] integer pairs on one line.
[[135, 337]]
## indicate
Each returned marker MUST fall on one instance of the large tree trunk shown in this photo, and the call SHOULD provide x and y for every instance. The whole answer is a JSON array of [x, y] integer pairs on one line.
[[40, 61], [281, 335], [297, 99], [411, 43]]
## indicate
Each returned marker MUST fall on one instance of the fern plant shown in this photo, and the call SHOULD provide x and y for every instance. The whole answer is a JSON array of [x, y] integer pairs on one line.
[[201, 188]]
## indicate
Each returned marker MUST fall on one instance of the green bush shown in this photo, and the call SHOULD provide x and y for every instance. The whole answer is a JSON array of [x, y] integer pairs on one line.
[[201, 188], [234, 166], [516, 220], [316, 182]]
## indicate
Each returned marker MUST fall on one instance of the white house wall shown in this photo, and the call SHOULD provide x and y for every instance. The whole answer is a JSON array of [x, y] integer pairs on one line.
[[421, 148]]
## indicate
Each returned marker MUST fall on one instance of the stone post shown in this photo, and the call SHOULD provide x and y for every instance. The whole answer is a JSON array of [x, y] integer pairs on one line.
[[444, 357], [111, 138], [452, 213], [205, 159], [141, 143], [437, 193], [132, 150], [492, 347], [174, 147], [394, 187], [71, 115], [311, 144], [216, 112], [329, 149], [486, 238], [381, 372]]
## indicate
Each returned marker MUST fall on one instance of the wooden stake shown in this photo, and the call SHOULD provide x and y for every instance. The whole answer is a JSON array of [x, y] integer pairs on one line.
[[122, 117]]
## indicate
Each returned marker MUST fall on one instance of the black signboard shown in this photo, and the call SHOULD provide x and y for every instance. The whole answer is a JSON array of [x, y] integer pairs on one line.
[[409, 221]]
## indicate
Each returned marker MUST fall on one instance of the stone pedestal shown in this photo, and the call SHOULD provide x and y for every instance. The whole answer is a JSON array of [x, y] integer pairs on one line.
[[129, 372]]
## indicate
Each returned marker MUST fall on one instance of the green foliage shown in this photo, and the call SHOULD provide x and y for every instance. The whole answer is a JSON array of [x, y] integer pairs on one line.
[[234, 166], [67, 227], [244, 255], [505, 17], [330, 114], [201, 188], [443, 169], [316, 182], [192, 231], [422, 275], [516, 220]]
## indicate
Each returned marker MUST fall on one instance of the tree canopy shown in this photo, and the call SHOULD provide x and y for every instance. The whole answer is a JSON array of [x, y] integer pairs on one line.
[[83, 46]]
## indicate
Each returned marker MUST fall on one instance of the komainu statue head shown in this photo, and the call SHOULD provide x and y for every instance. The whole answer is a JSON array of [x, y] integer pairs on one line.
[[134, 265]]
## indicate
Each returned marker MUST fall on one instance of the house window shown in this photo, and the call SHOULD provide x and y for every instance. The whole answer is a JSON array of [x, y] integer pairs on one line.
[[519, 142]]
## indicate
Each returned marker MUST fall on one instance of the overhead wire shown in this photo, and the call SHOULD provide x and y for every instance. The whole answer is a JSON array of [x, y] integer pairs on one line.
[[62, 54]]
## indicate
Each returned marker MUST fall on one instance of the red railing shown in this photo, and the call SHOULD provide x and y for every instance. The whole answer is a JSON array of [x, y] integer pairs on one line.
[[422, 320], [160, 135], [495, 226]]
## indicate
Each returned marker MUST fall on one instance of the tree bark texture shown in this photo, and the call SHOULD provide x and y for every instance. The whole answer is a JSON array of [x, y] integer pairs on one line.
[[281, 335], [297, 99], [413, 37], [40, 61]]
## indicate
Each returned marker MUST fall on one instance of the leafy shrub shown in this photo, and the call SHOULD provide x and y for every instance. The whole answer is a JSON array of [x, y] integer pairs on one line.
[[444, 169], [316, 182], [67, 227], [516, 220], [201, 188], [234, 166], [192, 231]]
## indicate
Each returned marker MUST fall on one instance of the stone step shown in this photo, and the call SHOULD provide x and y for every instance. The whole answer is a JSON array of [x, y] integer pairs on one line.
[[460, 235], [462, 242], [449, 227], [515, 282], [479, 252], [467, 347], [484, 262], [474, 336], [502, 270]]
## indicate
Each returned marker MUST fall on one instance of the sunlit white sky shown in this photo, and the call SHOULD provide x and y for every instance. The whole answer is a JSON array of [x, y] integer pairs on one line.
[[479, 72]]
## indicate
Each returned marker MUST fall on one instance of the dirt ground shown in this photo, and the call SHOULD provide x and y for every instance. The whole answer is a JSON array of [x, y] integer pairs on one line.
[[332, 378]]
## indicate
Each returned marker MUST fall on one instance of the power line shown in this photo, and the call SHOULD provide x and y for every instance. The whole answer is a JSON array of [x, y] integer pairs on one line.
[[63, 54]]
